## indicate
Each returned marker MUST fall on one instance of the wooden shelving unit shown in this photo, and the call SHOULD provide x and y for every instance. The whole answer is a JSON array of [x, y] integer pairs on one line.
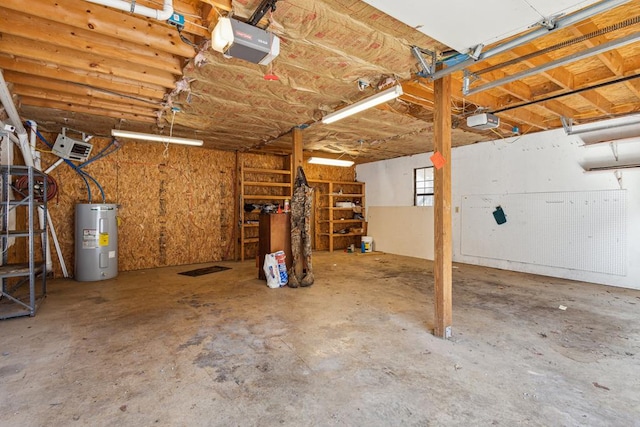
[[338, 225], [259, 186]]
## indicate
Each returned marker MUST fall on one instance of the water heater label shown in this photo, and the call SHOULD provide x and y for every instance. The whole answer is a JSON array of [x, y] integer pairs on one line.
[[89, 238], [112, 254], [104, 239]]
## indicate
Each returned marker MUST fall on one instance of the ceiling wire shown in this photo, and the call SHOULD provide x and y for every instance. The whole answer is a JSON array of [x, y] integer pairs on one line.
[[535, 10], [566, 43], [111, 92], [165, 153]]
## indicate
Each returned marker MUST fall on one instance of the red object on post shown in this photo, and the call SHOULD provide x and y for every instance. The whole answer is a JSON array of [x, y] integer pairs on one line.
[[437, 160]]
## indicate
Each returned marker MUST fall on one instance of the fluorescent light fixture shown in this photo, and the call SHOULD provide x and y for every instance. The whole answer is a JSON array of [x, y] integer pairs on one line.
[[330, 162], [372, 101], [156, 138]]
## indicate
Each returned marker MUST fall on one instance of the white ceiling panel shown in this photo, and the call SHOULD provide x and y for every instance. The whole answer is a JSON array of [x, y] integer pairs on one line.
[[464, 24]]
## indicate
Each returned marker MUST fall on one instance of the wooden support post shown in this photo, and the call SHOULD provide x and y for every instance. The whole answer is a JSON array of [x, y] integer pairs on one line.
[[237, 229], [296, 158], [442, 268]]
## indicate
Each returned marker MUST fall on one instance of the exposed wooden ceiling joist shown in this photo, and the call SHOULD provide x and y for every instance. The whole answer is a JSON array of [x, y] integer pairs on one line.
[[96, 66]]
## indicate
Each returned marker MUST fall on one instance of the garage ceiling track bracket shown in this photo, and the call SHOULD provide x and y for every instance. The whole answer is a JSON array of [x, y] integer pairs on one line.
[[559, 62], [559, 23], [427, 67]]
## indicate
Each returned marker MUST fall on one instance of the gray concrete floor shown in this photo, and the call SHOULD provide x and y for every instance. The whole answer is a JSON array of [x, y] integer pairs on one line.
[[157, 348]]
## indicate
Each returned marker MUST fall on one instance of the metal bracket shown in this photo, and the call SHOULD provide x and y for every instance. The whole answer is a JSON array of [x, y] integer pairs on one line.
[[133, 6], [84, 135], [263, 8], [476, 52], [614, 149], [618, 175], [469, 78], [567, 124], [551, 22], [427, 69]]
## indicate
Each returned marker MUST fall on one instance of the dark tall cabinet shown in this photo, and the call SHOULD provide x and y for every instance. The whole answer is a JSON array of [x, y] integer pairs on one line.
[[274, 235]]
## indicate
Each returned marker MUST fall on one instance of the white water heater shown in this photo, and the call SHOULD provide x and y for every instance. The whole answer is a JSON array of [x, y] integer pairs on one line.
[[96, 242]]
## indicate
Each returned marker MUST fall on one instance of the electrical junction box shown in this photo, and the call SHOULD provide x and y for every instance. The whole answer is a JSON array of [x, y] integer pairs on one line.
[[483, 121], [244, 41], [176, 19], [71, 149]]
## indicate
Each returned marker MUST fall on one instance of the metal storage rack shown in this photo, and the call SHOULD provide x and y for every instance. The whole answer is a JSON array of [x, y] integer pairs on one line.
[[258, 186], [24, 285]]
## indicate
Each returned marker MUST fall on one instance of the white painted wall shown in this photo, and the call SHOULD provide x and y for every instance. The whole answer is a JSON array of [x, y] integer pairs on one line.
[[411, 237], [542, 162]]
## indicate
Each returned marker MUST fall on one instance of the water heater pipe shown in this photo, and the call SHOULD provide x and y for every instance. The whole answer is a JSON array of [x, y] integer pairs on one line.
[[131, 6]]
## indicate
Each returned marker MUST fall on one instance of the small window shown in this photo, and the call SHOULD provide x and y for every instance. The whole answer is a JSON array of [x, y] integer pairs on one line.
[[423, 186]]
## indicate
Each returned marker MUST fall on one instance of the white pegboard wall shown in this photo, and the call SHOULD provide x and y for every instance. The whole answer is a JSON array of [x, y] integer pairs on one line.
[[582, 230]]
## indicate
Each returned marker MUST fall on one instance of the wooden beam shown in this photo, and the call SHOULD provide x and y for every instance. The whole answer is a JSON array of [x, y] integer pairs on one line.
[[45, 31], [552, 105], [219, 4], [416, 93], [523, 92], [46, 103], [86, 101], [518, 116], [442, 265], [558, 75], [52, 85], [92, 79], [612, 59], [109, 22], [25, 48], [296, 156]]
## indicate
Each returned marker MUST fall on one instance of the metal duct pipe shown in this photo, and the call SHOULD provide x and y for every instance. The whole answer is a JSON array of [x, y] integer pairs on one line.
[[131, 6], [558, 62], [563, 22]]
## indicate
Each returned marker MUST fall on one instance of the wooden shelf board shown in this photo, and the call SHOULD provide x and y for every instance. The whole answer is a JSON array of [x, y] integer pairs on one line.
[[267, 184], [264, 197], [251, 240], [271, 171], [324, 181]]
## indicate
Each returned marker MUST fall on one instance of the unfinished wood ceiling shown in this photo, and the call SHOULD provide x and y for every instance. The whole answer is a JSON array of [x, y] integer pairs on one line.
[[92, 68]]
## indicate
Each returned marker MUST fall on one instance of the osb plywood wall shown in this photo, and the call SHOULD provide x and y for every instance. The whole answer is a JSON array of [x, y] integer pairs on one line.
[[175, 208]]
